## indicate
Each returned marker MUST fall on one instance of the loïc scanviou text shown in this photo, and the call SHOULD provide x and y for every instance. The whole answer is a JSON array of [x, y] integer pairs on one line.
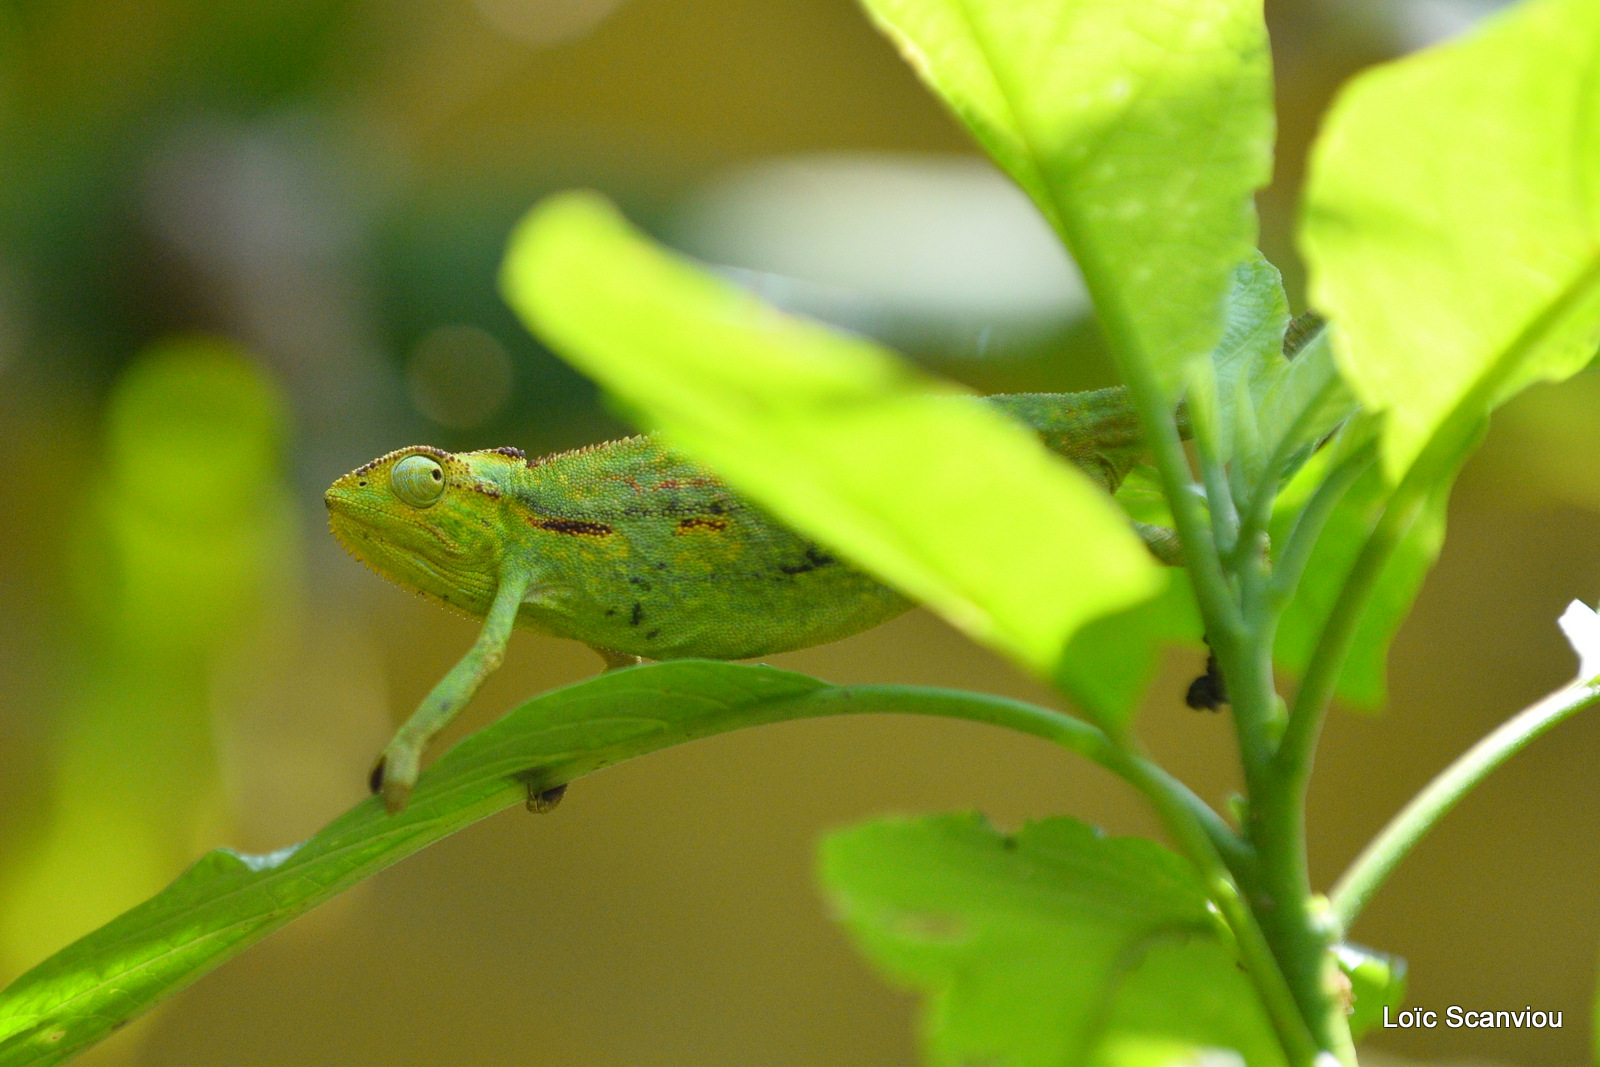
[[1456, 1017]]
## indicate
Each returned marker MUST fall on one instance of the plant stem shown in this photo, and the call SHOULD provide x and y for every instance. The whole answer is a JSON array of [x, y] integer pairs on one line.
[[1356, 886], [1155, 404], [1293, 923], [1219, 607], [1303, 1014], [1298, 931], [1245, 657]]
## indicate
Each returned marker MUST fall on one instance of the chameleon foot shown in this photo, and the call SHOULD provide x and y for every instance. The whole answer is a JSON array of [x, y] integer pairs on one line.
[[395, 775], [542, 802], [615, 661]]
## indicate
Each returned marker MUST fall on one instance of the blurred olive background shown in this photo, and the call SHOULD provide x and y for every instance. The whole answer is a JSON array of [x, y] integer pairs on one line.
[[246, 246]]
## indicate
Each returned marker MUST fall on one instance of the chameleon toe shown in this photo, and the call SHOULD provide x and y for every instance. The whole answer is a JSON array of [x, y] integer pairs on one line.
[[542, 802], [396, 795]]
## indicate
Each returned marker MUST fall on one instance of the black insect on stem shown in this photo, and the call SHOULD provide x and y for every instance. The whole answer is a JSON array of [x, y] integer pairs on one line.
[[1208, 692]]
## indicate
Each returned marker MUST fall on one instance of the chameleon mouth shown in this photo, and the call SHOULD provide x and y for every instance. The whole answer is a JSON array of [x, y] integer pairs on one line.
[[345, 519], [353, 535], [399, 565]]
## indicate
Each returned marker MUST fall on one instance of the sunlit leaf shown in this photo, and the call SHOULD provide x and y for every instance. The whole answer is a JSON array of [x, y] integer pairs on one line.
[[1049, 946], [228, 901], [1141, 131], [1111, 661], [1452, 224], [943, 499]]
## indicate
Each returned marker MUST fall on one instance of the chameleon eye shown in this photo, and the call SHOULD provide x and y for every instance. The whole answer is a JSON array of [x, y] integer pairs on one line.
[[417, 480]]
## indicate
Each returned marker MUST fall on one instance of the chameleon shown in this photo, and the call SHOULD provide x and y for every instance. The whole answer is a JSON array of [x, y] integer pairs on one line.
[[639, 552]]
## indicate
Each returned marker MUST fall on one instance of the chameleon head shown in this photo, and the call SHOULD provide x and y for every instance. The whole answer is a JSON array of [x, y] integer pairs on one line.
[[426, 519]]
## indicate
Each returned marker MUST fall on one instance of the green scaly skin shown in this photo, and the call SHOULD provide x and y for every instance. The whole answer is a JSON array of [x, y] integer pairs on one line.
[[636, 551]]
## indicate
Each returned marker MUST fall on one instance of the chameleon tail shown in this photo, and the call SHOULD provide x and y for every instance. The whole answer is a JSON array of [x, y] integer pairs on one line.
[[1099, 432]]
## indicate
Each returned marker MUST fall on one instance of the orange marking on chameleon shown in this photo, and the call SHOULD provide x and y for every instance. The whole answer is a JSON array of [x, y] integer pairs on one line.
[[700, 523]]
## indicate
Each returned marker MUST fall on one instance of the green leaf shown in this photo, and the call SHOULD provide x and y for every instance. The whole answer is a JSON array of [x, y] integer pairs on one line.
[[1452, 225], [1271, 407], [1249, 357], [228, 901], [1109, 662], [1362, 679], [943, 499], [1377, 981], [1184, 996], [1141, 131], [1045, 947]]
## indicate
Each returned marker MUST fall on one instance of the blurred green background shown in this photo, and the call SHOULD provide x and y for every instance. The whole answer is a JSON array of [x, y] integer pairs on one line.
[[247, 246]]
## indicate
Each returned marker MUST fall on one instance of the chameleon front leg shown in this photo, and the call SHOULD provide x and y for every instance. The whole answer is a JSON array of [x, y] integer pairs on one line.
[[396, 772]]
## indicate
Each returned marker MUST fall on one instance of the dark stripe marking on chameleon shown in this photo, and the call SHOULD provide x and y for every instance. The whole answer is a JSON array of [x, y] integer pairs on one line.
[[578, 527]]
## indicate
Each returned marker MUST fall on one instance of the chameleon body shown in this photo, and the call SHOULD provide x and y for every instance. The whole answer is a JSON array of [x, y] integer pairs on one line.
[[637, 551]]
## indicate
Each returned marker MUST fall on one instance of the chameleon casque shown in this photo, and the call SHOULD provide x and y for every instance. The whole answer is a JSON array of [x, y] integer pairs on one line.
[[638, 552]]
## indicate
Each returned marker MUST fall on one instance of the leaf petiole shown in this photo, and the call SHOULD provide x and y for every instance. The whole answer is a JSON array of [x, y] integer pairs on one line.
[[1356, 886]]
